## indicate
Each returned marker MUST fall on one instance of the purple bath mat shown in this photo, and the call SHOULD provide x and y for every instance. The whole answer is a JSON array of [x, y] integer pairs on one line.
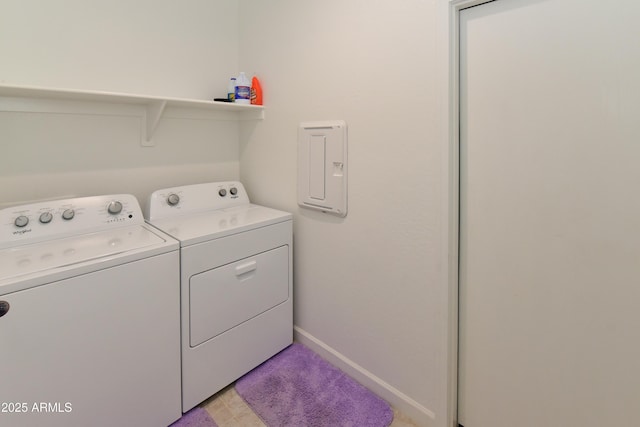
[[298, 388], [197, 417]]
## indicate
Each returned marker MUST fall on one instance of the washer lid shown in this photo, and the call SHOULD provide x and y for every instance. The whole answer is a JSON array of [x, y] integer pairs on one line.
[[24, 260], [200, 227]]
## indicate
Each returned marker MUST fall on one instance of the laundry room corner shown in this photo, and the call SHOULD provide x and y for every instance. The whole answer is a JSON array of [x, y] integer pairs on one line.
[[367, 287], [117, 97]]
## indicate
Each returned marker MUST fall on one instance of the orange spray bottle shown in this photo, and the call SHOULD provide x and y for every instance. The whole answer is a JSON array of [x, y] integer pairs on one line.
[[256, 91]]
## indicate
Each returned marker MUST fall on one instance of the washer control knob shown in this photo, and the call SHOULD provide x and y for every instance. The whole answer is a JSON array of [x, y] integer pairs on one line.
[[46, 217], [233, 191], [173, 199], [21, 221], [68, 214], [222, 192], [114, 207], [4, 307]]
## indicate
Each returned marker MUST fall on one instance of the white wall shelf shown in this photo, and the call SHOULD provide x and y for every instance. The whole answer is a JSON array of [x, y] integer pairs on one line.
[[16, 98]]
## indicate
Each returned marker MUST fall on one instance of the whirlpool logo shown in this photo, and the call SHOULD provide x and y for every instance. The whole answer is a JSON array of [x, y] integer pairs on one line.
[[28, 230]]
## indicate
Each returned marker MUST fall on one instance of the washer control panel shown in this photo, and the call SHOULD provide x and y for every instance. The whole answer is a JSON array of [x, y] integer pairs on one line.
[[68, 217], [196, 198]]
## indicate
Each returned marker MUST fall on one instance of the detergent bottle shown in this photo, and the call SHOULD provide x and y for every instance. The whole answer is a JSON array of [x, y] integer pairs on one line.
[[256, 91], [243, 89]]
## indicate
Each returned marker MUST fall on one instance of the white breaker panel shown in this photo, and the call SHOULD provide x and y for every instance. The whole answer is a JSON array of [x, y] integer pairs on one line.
[[322, 166]]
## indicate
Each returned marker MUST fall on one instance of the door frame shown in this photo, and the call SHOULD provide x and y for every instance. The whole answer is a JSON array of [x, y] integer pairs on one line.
[[452, 204]]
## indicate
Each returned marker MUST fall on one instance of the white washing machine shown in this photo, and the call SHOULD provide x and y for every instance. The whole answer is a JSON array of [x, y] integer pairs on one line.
[[89, 316], [236, 282]]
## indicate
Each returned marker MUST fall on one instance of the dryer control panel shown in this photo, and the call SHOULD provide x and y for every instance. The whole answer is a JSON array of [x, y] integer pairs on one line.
[[68, 217], [196, 198]]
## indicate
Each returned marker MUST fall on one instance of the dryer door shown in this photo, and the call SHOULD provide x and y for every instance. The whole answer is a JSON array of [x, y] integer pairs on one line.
[[229, 295]]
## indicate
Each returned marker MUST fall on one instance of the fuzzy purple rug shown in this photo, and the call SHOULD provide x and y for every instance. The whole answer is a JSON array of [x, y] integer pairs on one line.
[[298, 388], [197, 417]]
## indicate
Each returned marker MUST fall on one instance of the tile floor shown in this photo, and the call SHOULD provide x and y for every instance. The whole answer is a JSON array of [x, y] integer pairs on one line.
[[228, 409]]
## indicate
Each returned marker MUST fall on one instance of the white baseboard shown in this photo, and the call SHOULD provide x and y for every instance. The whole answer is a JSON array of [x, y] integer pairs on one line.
[[400, 401]]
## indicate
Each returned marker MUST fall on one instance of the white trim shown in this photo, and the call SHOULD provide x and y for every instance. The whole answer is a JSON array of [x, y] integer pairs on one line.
[[458, 5], [392, 395], [453, 203], [449, 215]]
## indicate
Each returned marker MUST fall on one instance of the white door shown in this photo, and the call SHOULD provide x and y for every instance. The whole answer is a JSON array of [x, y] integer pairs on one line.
[[550, 214]]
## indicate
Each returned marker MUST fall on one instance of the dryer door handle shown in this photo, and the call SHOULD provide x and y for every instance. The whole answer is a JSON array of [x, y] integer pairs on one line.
[[245, 268]]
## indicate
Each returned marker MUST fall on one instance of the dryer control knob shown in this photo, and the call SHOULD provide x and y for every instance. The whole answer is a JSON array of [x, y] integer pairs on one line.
[[21, 221], [233, 191], [222, 192], [173, 199], [68, 214], [46, 217], [114, 207]]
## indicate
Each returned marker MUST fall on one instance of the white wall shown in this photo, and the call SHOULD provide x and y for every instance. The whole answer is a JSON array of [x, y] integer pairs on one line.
[[184, 49], [368, 288]]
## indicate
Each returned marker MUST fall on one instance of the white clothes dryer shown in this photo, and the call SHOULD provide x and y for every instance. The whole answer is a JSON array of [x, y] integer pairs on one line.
[[236, 282], [89, 316]]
